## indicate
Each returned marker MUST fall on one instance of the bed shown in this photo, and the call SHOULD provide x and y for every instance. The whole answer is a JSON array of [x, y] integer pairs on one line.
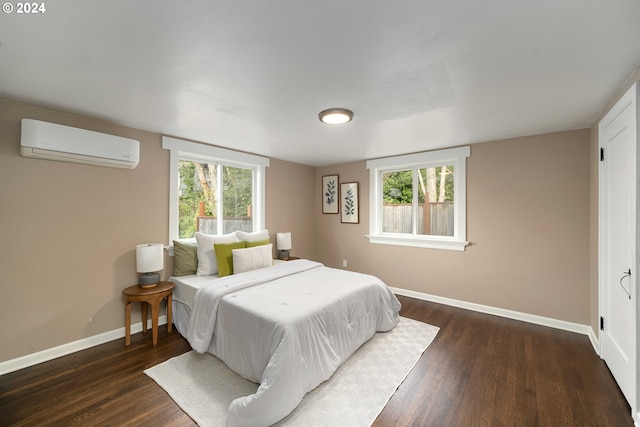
[[287, 327]]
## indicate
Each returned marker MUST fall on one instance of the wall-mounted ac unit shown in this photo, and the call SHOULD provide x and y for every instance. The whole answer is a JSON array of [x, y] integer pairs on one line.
[[67, 144]]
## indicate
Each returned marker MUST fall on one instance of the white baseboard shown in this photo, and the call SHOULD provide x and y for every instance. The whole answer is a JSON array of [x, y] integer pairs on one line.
[[64, 349], [595, 341], [516, 315]]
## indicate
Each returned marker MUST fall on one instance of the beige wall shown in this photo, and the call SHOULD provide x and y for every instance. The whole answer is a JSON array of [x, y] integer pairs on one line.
[[69, 231], [289, 205], [527, 221]]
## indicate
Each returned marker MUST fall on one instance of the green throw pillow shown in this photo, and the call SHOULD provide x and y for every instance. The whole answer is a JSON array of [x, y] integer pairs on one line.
[[258, 243], [185, 260], [224, 256]]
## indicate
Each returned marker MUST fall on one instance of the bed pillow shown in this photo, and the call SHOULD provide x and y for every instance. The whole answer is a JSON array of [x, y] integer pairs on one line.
[[254, 236], [207, 263], [257, 243], [225, 258], [252, 258], [185, 257]]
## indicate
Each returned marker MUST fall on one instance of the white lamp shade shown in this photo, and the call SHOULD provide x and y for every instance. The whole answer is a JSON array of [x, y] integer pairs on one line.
[[149, 257], [283, 241]]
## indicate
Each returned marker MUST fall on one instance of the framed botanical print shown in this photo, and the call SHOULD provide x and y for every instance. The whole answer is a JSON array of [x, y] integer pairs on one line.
[[330, 202], [349, 203]]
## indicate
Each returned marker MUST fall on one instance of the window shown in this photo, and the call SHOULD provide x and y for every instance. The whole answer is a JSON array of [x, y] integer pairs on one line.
[[419, 199], [213, 190], [198, 197]]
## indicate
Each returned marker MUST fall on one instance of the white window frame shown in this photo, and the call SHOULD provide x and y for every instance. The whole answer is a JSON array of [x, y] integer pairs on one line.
[[452, 156], [186, 150]]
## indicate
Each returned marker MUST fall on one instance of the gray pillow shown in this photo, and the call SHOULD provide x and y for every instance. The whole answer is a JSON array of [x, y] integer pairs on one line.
[[185, 259]]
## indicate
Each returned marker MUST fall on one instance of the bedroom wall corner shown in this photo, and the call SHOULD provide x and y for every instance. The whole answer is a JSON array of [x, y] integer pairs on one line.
[[289, 205], [527, 221]]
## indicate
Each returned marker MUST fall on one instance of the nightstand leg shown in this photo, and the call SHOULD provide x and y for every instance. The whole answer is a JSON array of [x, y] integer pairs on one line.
[[144, 309], [154, 320], [127, 323]]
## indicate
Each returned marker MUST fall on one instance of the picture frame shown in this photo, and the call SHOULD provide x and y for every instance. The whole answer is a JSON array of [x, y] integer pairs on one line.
[[349, 203], [330, 198]]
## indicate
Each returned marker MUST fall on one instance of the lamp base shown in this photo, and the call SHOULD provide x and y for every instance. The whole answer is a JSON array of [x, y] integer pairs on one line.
[[283, 254], [148, 280]]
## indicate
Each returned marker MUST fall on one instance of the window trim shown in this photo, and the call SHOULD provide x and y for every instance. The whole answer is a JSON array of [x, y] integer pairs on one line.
[[452, 156], [181, 149]]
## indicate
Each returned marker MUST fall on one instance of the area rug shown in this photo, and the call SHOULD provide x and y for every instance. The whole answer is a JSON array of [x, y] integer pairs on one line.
[[357, 392]]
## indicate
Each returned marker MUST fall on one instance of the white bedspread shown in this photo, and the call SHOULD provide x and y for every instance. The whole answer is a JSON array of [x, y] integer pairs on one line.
[[287, 327]]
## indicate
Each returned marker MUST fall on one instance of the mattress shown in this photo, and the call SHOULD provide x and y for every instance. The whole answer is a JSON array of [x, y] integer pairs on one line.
[[288, 328], [187, 286], [184, 294]]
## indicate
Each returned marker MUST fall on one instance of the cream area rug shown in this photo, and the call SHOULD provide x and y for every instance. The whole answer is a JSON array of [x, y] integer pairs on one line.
[[203, 386]]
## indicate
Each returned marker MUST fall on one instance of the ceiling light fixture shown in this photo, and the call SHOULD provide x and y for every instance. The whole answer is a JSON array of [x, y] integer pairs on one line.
[[335, 116]]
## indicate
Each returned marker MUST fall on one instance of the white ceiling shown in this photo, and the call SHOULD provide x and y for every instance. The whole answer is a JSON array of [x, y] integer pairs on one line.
[[253, 75]]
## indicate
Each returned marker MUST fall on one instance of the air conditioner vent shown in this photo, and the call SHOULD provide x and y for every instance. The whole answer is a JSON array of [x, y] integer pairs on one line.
[[51, 141]]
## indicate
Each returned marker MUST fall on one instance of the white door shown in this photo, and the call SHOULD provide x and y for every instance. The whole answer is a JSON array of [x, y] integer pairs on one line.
[[618, 266]]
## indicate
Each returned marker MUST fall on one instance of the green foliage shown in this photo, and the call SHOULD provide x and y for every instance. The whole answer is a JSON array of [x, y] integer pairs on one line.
[[237, 185], [237, 195], [397, 186], [188, 200]]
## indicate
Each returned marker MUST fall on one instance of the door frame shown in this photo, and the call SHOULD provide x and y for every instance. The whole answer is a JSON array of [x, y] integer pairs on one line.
[[630, 96]]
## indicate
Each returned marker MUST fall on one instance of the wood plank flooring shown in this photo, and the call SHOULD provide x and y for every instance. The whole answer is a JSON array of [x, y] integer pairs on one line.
[[481, 370]]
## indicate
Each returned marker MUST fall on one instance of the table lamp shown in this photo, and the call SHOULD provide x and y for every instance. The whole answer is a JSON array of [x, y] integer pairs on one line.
[[283, 244], [149, 261]]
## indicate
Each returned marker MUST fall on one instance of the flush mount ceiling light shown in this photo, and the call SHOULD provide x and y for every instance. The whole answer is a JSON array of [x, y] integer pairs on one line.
[[335, 116]]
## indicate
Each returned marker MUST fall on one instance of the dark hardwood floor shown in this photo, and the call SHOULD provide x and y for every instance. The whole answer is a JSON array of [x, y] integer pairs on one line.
[[481, 370]]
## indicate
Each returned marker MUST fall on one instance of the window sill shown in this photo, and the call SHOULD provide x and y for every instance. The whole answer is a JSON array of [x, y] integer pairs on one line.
[[431, 243]]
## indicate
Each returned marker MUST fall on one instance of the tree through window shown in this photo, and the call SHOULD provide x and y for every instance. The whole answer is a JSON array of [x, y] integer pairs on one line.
[[214, 190], [199, 198], [419, 199], [433, 210]]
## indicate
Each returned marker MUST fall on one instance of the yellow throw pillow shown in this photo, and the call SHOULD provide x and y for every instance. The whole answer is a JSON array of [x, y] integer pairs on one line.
[[224, 256]]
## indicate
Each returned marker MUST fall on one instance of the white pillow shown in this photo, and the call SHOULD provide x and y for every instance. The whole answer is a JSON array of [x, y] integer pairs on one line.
[[207, 262], [252, 237], [252, 258]]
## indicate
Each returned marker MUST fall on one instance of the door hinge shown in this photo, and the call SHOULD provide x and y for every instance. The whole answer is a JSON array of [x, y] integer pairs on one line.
[[601, 154], [601, 323]]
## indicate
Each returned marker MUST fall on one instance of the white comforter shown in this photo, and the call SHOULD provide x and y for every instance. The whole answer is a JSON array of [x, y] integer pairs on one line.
[[287, 327]]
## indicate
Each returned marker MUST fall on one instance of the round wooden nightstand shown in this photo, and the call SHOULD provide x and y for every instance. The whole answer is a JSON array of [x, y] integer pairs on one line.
[[151, 296]]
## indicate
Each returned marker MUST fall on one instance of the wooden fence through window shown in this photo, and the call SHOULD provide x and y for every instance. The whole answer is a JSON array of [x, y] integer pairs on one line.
[[209, 224], [435, 219]]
